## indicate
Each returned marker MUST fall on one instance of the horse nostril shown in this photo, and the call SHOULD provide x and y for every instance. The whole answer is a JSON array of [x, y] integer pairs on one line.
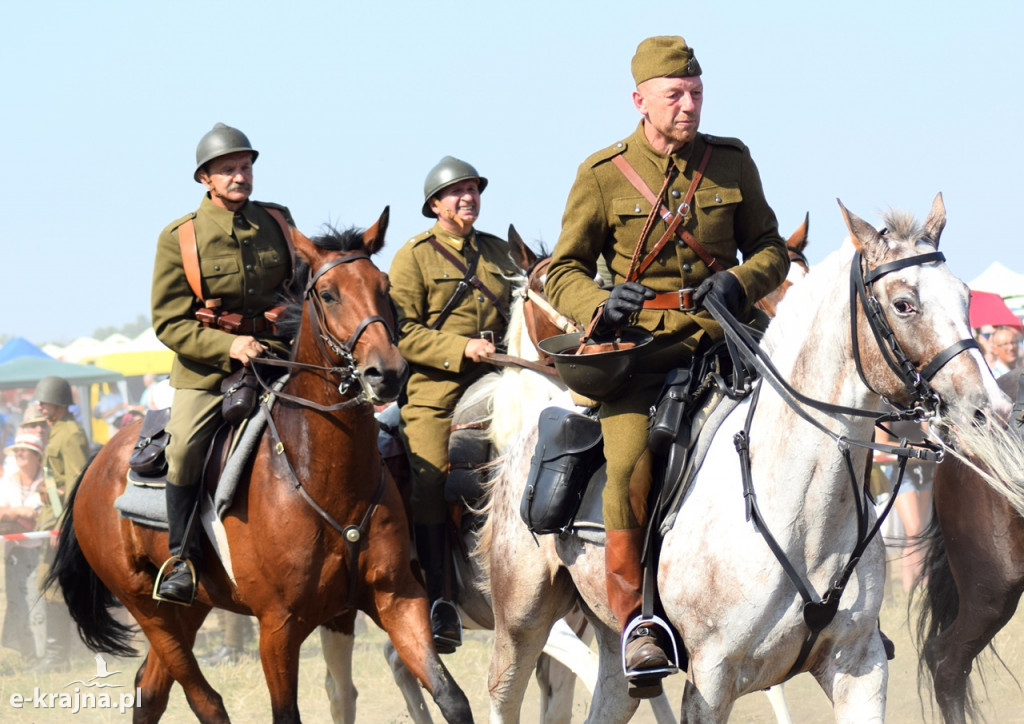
[[980, 418]]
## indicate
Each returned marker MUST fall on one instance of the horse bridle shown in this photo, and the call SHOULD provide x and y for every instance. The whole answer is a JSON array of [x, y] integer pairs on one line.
[[818, 612], [339, 355], [915, 381]]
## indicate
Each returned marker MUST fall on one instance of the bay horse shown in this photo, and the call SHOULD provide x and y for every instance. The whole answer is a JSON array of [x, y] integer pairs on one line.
[[316, 532], [741, 616], [974, 577]]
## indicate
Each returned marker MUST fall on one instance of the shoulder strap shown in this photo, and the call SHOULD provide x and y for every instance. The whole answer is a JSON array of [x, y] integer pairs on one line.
[[673, 220], [190, 257], [469, 278], [286, 230]]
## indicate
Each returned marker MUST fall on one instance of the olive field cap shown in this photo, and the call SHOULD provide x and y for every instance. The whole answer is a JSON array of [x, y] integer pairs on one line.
[[220, 141], [664, 56], [603, 370], [449, 170], [54, 391]]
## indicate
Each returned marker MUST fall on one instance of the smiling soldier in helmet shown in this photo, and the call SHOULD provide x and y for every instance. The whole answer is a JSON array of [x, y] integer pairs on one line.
[[710, 188], [217, 270], [451, 286]]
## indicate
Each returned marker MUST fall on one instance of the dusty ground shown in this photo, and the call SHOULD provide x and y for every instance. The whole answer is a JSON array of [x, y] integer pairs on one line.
[[246, 698]]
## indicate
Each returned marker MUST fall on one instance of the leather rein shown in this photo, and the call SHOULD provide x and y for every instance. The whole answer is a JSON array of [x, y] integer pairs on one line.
[[340, 362], [818, 612], [537, 313]]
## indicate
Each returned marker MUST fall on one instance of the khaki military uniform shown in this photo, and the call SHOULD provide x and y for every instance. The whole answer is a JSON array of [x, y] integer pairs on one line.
[[244, 261], [603, 219], [66, 455], [422, 282]]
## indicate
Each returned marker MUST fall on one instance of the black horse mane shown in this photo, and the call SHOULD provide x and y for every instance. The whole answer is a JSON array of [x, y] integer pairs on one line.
[[332, 239]]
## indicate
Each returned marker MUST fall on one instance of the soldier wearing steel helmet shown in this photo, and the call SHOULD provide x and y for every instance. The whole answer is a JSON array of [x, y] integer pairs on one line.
[[65, 457], [446, 328], [243, 261], [605, 217]]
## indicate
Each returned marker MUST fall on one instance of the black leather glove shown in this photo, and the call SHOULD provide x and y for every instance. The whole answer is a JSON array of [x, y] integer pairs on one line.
[[724, 288], [626, 299]]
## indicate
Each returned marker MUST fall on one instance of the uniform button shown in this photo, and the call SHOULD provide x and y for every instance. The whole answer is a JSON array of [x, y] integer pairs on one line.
[[718, 199], [479, 298], [251, 291], [675, 193], [248, 267], [687, 267], [446, 364], [618, 145], [245, 242], [216, 267], [446, 275], [637, 209], [680, 242]]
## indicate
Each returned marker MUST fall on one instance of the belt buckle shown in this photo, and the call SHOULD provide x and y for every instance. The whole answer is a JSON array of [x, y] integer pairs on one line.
[[686, 299]]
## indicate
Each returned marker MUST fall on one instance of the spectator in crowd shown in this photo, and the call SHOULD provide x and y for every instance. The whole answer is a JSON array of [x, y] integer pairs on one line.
[[20, 502], [1005, 346]]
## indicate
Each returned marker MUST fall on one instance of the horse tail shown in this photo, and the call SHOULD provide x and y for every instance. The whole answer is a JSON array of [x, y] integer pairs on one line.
[[88, 599], [939, 606]]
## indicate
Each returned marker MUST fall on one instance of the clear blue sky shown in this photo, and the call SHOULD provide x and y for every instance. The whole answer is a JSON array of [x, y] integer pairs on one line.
[[878, 103]]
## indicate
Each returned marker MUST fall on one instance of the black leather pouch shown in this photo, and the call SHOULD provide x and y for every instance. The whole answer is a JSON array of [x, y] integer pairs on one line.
[[568, 453], [148, 457], [240, 390], [669, 420]]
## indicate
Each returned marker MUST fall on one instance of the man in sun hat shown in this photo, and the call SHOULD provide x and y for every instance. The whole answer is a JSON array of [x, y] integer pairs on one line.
[[711, 185]]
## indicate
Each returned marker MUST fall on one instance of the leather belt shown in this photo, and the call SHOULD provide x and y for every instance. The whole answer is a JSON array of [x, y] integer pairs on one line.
[[680, 300]]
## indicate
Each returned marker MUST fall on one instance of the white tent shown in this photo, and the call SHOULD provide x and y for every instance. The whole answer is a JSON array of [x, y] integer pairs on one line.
[[1003, 281]]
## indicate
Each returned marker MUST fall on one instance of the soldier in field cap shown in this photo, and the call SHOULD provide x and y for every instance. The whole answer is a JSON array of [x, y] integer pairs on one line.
[[726, 246]]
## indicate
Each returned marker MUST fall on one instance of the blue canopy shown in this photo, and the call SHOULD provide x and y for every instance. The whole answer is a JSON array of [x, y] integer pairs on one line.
[[20, 347]]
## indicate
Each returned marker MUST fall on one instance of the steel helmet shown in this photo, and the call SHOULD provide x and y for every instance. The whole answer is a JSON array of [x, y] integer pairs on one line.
[[603, 369], [449, 170], [54, 391], [220, 141]]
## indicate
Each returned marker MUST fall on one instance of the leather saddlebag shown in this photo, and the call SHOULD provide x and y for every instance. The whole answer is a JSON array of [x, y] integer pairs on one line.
[[240, 390], [568, 453], [147, 457]]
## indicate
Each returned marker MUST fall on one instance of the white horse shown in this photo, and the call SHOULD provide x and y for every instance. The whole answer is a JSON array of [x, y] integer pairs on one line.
[[720, 585]]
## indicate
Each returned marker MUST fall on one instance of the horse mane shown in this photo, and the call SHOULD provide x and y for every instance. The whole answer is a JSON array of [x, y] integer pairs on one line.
[[291, 299], [797, 310]]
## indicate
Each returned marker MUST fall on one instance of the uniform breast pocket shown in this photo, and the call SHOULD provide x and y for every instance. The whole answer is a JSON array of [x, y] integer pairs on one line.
[[221, 275], [274, 265], [625, 209], [715, 209]]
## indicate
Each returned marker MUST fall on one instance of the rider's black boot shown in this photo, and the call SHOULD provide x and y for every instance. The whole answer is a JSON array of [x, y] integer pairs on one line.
[[179, 582], [432, 550]]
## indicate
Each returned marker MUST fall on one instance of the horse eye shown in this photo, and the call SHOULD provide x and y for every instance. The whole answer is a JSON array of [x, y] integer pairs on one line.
[[902, 306], [326, 296]]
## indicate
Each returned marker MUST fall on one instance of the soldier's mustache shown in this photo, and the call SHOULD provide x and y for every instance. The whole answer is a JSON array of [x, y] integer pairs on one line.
[[240, 187]]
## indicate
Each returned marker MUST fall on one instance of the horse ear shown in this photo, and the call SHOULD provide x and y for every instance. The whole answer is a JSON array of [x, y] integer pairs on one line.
[[936, 220], [373, 238], [798, 239], [522, 255], [864, 236], [306, 249]]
